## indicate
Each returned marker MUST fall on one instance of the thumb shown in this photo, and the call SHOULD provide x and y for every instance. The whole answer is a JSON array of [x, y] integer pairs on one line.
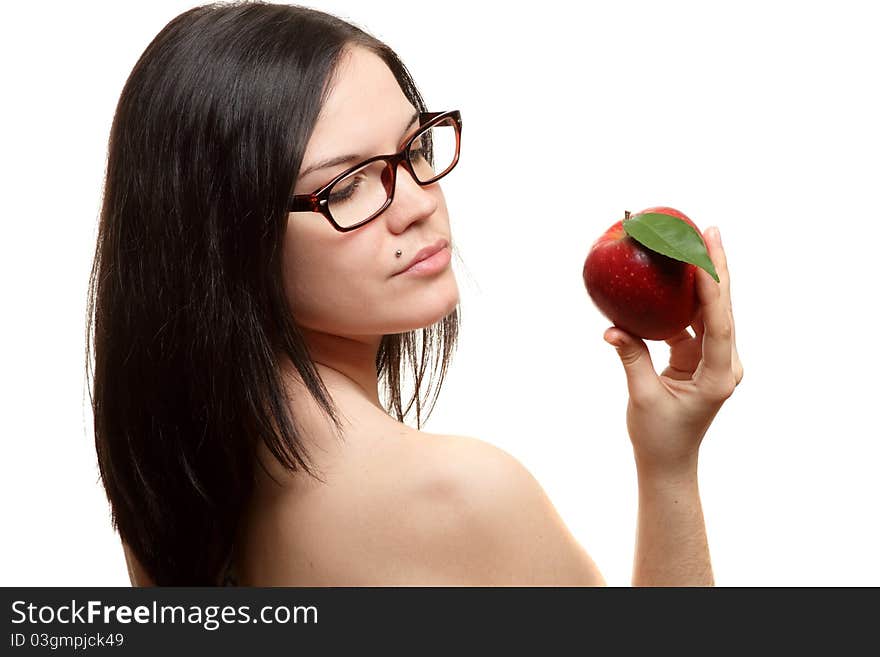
[[641, 378]]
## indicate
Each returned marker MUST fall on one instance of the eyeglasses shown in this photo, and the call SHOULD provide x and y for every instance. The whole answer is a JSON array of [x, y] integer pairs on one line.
[[360, 194]]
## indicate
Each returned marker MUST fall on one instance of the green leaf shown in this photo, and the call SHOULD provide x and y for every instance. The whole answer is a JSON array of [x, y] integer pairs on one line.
[[672, 237]]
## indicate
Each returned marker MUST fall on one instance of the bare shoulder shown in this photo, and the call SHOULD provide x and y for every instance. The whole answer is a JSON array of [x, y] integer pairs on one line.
[[420, 509], [477, 516], [473, 472], [516, 535]]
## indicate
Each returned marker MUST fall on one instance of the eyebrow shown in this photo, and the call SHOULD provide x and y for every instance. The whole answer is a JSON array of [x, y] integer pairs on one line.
[[342, 159]]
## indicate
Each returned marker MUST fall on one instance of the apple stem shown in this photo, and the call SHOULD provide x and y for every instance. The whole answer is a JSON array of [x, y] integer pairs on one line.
[[626, 215]]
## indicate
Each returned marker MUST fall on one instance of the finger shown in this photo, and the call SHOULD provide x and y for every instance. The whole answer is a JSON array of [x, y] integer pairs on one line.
[[679, 337], [736, 364], [718, 331], [726, 290], [697, 325], [734, 354], [719, 259], [737, 369], [641, 377], [677, 374]]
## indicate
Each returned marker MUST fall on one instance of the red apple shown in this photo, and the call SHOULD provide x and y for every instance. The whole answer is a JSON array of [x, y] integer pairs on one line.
[[645, 293]]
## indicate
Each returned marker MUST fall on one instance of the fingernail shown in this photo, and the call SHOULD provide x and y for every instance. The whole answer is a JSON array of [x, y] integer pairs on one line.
[[718, 234]]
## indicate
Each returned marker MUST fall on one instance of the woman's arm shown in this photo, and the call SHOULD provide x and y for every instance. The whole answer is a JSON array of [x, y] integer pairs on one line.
[[671, 544], [667, 417]]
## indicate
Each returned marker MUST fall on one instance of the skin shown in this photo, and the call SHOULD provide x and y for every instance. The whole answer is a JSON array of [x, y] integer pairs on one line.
[[340, 285], [667, 417], [402, 507]]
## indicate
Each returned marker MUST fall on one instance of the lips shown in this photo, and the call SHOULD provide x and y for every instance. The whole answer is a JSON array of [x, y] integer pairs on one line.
[[424, 254]]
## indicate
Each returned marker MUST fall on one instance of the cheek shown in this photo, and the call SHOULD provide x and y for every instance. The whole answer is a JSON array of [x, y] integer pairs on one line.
[[301, 260], [330, 283]]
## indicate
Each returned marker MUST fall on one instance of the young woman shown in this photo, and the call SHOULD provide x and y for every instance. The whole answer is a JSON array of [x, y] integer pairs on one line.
[[273, 246]]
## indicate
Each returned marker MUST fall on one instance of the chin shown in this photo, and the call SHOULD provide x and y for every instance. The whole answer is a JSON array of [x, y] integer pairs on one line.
[[429, 307]]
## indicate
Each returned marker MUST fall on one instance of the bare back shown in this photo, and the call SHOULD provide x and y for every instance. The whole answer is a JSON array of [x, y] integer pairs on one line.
[[309, 533], [404, 507], [401, 507]]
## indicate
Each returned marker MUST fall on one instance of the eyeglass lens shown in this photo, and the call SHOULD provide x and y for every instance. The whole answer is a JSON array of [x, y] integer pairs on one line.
[[364, 191]]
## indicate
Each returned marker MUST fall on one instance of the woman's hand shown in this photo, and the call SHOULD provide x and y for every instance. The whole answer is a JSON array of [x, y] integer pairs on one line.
[[668, 415]]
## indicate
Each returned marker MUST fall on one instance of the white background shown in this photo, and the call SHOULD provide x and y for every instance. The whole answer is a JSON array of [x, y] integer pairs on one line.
[[758, 117]]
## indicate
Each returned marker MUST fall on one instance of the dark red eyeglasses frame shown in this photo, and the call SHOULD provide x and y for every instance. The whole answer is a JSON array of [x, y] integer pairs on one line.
[[318, 201]]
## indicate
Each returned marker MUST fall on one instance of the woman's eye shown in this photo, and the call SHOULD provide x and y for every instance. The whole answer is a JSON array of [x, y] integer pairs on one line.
[[341, 194]]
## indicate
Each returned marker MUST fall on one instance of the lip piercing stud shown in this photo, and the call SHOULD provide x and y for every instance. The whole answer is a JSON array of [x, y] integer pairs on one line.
[[398, 253]]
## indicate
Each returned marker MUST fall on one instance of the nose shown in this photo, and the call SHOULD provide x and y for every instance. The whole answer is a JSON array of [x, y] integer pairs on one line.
[[412, 202]]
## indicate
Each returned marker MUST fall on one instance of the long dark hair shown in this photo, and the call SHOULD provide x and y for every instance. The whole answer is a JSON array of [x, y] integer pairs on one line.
[[186, 307]]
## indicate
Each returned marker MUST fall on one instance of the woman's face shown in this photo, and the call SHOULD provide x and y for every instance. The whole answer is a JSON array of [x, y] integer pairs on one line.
[[345, 283]]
